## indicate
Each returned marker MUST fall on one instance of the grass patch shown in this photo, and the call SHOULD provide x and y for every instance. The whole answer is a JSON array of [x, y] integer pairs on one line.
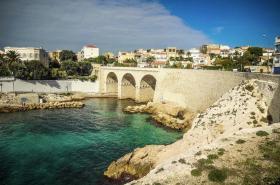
[[183, 161], [240, 141], [262, 133], [196, 172], [217, 175]]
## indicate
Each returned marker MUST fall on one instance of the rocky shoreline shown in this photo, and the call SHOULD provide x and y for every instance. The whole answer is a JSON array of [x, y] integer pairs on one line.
[[166, 114], [50, 105], [12, 102]]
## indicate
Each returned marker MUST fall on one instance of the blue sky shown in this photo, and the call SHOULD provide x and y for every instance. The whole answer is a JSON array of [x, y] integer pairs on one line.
[[235, 22], [117, 25]]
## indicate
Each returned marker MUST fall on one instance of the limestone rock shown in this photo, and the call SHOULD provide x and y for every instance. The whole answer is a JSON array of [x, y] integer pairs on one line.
[[135, 164]]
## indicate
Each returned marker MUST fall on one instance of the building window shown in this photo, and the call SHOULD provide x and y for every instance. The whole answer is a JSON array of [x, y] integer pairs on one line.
[[36, 56]]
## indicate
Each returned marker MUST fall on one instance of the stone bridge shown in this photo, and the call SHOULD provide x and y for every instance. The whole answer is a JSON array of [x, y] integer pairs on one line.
[[129, 83]]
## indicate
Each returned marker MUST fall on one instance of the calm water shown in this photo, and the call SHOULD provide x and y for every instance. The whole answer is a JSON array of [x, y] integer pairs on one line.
[[72, 146]]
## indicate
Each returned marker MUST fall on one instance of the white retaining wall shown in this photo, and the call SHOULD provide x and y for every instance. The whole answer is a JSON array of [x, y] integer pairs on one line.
[[53, 86]]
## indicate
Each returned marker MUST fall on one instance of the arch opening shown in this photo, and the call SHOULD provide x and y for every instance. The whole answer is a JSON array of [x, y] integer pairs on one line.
[[128, 87], [147, 88], [112, 84]]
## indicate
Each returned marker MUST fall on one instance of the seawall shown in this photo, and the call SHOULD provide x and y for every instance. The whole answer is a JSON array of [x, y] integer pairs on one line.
[[48, 86]]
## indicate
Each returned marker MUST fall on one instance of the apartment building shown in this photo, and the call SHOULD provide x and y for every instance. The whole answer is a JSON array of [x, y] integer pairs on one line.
[[30, 53], [171, 52], [276, 59], [88, 51]]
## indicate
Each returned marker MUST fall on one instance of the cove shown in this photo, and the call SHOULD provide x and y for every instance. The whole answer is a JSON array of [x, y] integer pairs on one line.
[[72, 146]]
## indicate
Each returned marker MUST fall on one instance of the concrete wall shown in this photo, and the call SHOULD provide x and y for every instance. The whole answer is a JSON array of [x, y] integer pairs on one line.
[[196, 90], [49, 86]]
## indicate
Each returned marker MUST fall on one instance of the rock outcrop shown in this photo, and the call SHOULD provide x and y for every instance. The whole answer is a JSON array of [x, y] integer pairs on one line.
[[169, 115], [50, 105], [235, 118], [135, 164]]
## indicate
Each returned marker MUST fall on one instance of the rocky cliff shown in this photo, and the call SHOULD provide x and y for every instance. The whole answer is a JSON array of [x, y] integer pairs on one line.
[[219, 139]]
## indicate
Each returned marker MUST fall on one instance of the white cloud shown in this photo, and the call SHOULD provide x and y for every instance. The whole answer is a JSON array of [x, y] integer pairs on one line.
[[110, 24]]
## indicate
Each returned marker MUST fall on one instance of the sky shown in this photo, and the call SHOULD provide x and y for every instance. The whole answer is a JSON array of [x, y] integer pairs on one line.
[[117, 25]]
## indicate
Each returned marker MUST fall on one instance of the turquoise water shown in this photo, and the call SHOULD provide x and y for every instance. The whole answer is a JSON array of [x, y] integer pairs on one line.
[[72, 146]]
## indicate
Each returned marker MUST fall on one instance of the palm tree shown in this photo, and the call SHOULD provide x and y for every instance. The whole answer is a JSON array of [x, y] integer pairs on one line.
[[12, 56]]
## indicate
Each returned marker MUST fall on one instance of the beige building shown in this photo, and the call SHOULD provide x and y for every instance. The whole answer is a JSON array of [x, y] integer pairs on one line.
[[211, 49], [55, 55], [122, 56], [171, 52], [30, 53]]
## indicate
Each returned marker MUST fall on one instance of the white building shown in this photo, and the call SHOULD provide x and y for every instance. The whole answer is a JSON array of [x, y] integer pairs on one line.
[[276, 60], [30, 53], [89, 51]]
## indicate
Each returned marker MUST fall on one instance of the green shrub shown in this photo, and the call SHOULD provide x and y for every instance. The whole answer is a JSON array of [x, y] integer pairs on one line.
[[183, 161], [240, 141], [262, 133], [196, 172], [249, 88], [212, 156], [217, 175], [93, 78], [221, 151]]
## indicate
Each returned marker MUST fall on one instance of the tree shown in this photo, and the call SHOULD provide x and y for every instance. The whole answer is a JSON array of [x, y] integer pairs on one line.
[[85, 68], [252, 55], [67, 55], [36, 70], [130, 62], [54, 64], [4, 70], [19, 70], [181, 52], [12, 56], [70, 67], [150, 59]]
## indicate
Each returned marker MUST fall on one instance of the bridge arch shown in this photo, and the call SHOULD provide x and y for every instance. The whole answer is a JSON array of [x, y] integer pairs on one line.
[[128, 87], [147, 88], [112, 84]]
